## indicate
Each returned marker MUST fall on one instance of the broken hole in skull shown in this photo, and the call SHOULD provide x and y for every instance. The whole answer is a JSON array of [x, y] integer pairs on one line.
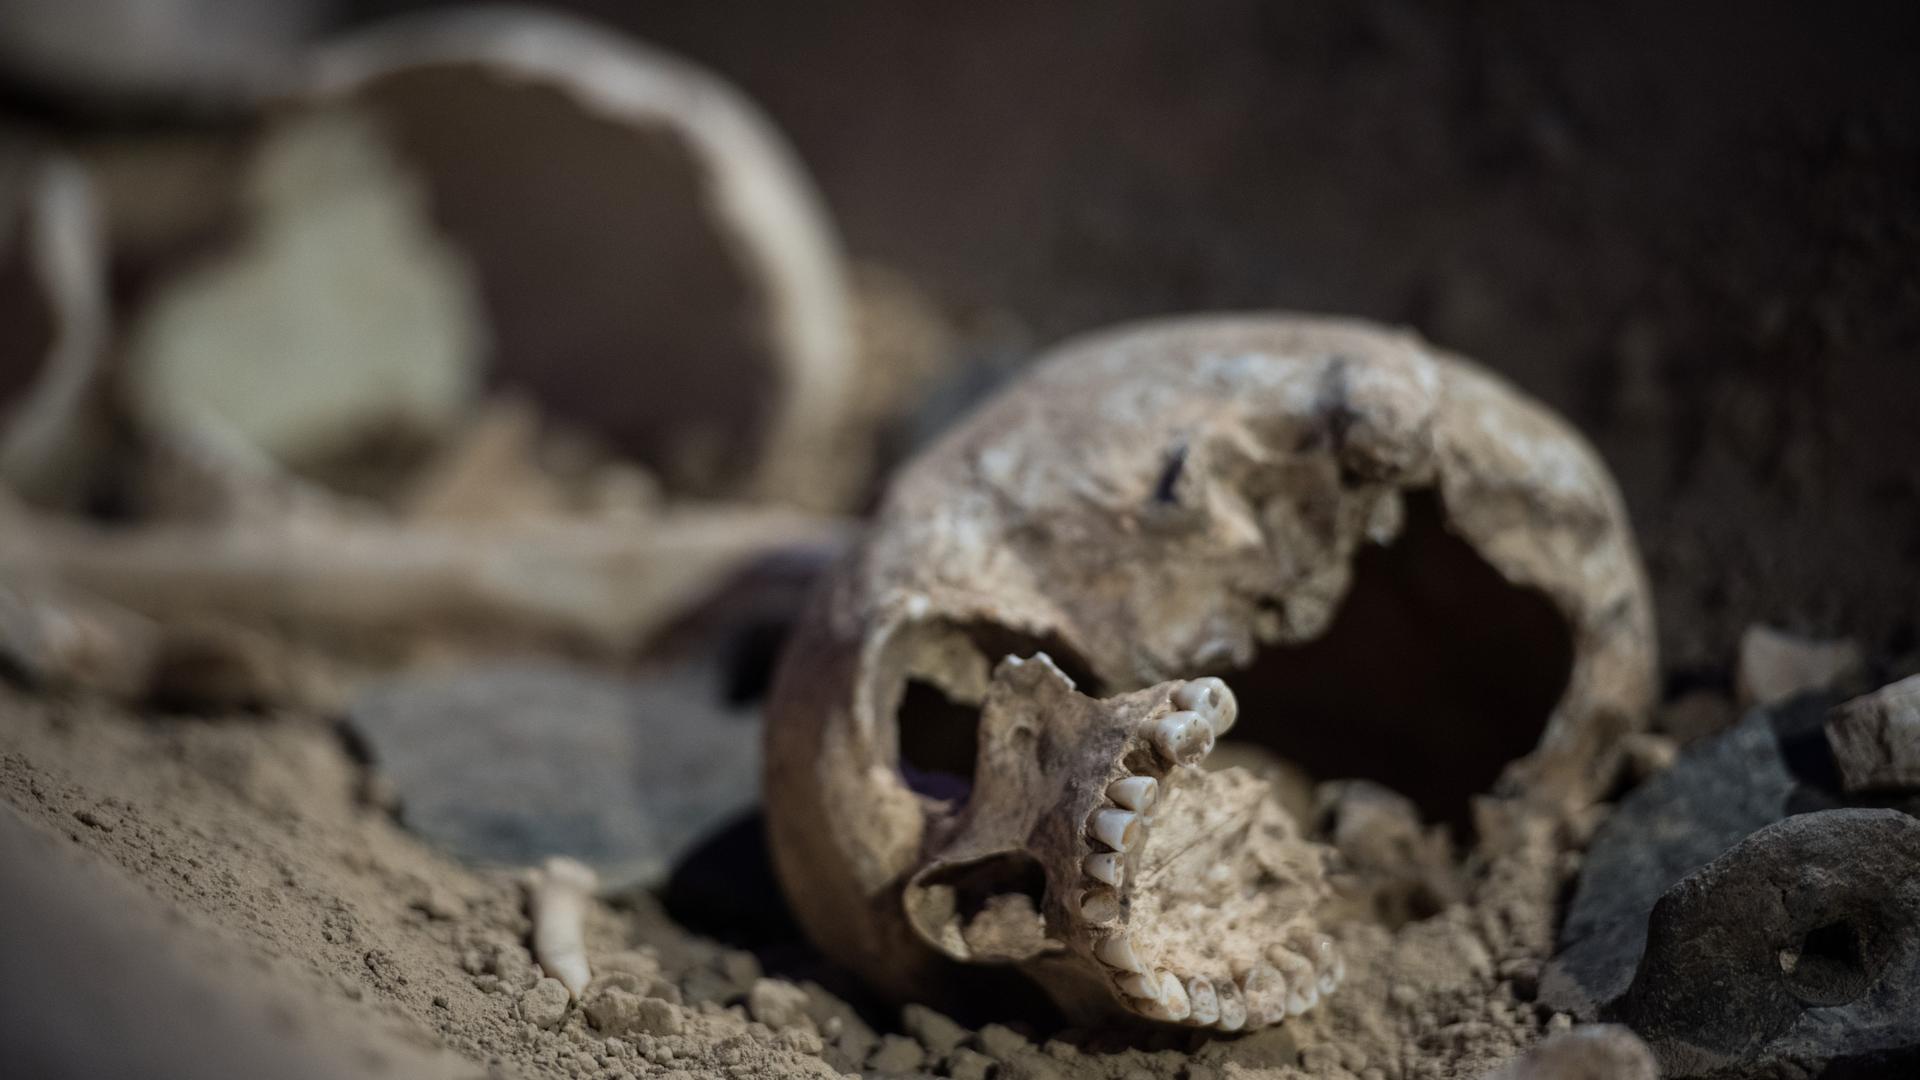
[[1433, 676]]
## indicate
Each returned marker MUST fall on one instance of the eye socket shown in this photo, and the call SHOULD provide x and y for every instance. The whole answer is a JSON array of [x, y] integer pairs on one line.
[[1827, 965]]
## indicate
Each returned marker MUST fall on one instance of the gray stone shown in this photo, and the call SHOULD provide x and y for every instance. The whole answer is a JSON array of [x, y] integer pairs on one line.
[[1876, 738], [1799, 949], [1719, 791], [511, 763]]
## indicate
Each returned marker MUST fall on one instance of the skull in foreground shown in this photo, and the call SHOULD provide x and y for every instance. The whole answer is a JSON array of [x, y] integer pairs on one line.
[[988, 746]]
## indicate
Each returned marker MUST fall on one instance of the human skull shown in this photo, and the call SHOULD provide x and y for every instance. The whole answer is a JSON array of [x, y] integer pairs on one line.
[[987, 742]]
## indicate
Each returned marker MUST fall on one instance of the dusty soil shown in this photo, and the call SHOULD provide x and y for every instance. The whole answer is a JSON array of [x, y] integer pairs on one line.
[[263, 843]]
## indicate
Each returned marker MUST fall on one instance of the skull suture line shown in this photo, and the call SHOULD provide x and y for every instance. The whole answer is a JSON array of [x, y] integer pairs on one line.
[[1151, 508]]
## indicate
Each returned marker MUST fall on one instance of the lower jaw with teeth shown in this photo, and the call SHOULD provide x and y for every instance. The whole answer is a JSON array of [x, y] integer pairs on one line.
[[1196, 896]]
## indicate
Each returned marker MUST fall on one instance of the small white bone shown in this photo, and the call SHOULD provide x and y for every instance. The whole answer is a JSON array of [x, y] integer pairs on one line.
[[1182, 738], [1134, 792], [1118, 829], [1212, 699], [1116, 951], [557, 900], [1104, 866], [1206, 1002], [1321, 952]]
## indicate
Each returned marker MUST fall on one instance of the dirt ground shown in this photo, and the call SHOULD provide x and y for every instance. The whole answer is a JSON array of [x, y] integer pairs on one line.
[[1692, 230]]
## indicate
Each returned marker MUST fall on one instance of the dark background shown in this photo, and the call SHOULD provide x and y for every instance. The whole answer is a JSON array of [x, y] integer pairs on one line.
[[1694, 228]]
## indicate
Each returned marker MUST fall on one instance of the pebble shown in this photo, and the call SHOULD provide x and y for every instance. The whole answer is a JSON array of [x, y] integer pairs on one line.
[[936, 1032], [778, 1004], [897, 1054], [545, 1005]]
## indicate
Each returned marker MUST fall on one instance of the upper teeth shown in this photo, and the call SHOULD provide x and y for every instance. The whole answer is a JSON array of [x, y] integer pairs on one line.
[[1211, 699], [1183, 737], [1117, 829], [1134, 792]]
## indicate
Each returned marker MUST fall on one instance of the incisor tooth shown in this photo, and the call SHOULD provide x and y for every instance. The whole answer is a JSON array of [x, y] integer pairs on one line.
[[1104, 866], [1233, 1007], [1182, 738], [1173, 997], [1134, 792], [1206, 1003], [1116, 951], [1212, 699], [1117, 829], [1099, 905], [1265, 991]]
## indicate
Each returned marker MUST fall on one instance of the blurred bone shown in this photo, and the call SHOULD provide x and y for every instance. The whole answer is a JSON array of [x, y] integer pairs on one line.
[[53, 321], [656, 265], [557, 900], [604, 583]]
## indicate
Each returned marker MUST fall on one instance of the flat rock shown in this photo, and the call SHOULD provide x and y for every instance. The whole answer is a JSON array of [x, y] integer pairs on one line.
[[1797, 949], [1876, 738], [512, 763], [1718, 791]]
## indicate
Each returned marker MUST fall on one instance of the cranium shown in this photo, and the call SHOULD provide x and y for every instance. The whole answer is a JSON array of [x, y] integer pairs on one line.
[[1407, 571]]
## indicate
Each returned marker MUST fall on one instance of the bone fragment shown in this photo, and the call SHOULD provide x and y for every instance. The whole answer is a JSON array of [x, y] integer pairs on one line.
[[557, 903]]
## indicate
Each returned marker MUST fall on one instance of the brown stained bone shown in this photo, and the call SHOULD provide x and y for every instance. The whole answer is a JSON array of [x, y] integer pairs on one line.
[[653, 260], [1406, 570]]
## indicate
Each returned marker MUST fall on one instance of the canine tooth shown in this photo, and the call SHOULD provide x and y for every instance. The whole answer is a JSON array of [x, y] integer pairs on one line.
[[1134, 792], [1212, 699], [1104, 866], [1139, 984], [1099, 905], [1265, 990], [1233, 1007], [1118, 829], [1206, 1003], [1173, 997], [1116, 951], [1302, 993], [1182, 738]]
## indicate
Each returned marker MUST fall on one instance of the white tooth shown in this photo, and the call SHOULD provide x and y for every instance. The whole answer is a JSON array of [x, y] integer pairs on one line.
[[1206, 1003], [1104, 866], [1331, 978], [1302, 993], [1173, 997], [1182, 738], [1117, 952], [1212, 699], [1134, 792], [1233, 1007], [1118, 829], [1099, 905], [1265, 991], [1139, 984]]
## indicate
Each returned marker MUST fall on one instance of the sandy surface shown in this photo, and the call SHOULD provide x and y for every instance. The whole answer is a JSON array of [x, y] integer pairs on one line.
[[262, 847]]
